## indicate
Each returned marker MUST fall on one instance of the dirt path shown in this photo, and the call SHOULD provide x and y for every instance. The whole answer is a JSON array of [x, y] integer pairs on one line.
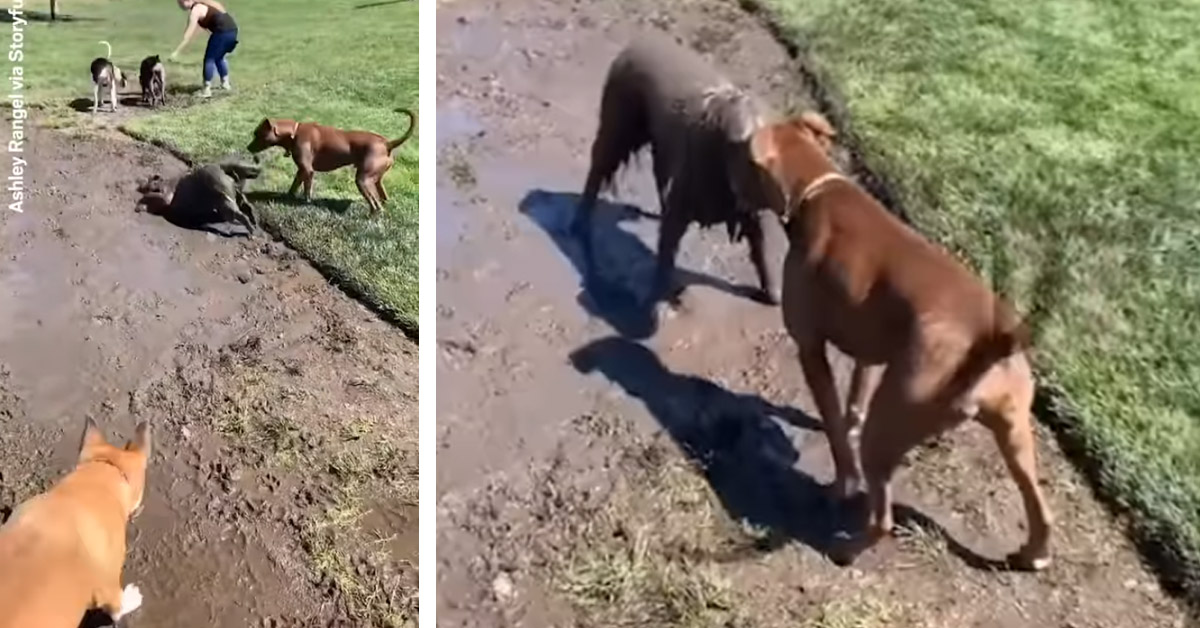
[[588, 475], [283, 487]]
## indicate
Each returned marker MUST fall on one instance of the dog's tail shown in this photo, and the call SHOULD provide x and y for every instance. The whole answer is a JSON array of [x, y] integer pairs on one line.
[[1004, 341], [107, 45], [412, 126]]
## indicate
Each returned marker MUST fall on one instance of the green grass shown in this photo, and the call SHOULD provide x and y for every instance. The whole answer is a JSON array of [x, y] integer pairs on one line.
[[1034, 133], [315, 60]]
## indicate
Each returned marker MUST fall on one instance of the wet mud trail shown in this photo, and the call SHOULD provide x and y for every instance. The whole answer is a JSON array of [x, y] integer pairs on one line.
[[282, 490], [561, 412]]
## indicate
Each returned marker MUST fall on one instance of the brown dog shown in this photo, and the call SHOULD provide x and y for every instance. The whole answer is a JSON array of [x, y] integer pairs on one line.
[[936, 344], [317, 148], [62, 552]]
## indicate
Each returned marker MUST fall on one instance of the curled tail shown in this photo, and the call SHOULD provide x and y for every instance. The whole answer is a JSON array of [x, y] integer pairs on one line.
[[412, 126], [107, 45]]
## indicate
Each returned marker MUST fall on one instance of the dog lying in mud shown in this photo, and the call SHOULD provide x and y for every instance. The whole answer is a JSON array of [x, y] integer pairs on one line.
[[934, 346], [62, 552], [697, 124], [210, 191]]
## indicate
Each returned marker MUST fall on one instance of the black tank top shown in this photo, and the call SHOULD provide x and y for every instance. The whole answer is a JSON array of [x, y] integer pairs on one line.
[[215, 21]]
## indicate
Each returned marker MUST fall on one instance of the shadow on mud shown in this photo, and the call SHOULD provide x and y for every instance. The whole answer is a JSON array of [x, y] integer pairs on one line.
[[207, 224], [625, 265], [744, 454]]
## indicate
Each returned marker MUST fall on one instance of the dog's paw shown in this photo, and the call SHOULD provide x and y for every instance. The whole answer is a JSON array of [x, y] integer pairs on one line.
[[131, 600], [1020, 561]]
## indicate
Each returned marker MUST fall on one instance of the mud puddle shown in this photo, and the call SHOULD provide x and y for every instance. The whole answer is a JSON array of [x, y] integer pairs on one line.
[[596, 470], [285, 413]]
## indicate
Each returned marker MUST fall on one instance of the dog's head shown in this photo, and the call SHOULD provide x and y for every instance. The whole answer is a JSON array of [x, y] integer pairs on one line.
[[271, 133], [153, 184], [130, 460], [778, 151]]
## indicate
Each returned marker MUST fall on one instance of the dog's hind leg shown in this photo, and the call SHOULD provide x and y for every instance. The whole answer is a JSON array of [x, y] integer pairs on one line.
[[230, 212], [365, 187], [383, 195], [1011, 425], [245, 206]]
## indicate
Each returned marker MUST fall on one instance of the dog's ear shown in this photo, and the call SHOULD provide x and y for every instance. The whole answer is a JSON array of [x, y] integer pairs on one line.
[[820, 128], [92, 437], [763, 150], [141, 440], [284, 128]]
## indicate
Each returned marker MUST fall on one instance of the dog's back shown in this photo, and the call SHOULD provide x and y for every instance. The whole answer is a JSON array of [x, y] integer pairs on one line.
[[43, 567], [101, 70]]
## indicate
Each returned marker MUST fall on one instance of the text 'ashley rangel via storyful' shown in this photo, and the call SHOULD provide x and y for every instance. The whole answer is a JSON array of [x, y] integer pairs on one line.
[[19, 114]]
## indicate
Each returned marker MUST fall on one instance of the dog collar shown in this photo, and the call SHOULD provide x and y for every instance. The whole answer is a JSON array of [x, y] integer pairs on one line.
[[818, 184], [119, 469]]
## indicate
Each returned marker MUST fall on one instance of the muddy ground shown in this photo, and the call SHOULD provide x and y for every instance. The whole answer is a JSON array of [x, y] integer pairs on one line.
[[282, 490], [594, 470]]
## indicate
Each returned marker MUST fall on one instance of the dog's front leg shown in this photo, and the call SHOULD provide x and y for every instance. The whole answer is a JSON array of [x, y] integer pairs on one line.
[[112, 95], [95, 97], [296, 181], [118, 602], [308, 185], [755, 230], [671, 230], [819, 378]]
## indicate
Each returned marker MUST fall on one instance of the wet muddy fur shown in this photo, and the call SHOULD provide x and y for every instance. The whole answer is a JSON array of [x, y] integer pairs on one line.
[[697, 124], [212, 190]]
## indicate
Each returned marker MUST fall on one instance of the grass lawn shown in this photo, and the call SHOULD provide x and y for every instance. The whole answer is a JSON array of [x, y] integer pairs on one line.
[[1033, 133], [346, 63]]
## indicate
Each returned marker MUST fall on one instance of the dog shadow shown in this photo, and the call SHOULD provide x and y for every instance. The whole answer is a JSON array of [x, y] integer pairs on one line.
[[380, 4], [206, 223], [96, 618], [737, 443], [613, 298], [84, 105], [337, 206]]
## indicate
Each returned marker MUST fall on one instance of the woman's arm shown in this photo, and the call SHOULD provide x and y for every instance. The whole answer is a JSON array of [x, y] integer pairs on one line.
[[198, 11]]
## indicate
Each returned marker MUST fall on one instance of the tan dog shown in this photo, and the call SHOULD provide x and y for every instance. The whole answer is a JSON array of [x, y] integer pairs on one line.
[[936, 344], [62, 552], [318, 148]]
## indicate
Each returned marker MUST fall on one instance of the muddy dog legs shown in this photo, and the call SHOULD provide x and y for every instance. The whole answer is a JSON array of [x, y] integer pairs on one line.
[[671, 230], [755, 231]]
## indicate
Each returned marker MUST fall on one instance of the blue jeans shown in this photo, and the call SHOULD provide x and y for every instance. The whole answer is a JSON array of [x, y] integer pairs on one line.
[[220, 44]]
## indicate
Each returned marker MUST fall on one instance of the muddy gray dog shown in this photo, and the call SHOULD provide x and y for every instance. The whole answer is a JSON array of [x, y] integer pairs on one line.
[[698, 125], [214, 190]]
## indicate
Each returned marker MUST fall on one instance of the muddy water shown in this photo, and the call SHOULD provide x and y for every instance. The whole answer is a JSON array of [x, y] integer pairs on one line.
[[528, 354], [251, 370]]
